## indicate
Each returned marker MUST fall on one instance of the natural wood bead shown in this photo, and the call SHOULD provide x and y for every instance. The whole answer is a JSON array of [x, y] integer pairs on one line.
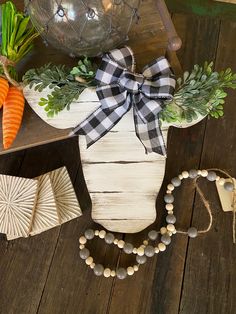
[[161, 247], [157, 250], [116, 241], [81, 246], [170, 227], [170, 212], [174, 231], [185, 174], [199, 172], [217, 178], [135, 250], [168, 192], [221, 181], [102, 234], [121, 244], [145, 242], [107, 272], [170, 233], [170, 187], [113, 273], [140, 251], [92, 265], [163, 230], [169, 206], [82, 240], [143, 246], [135, 267], [180, 177], [130, 270], [96, 232], [204, 173], [89, 260]]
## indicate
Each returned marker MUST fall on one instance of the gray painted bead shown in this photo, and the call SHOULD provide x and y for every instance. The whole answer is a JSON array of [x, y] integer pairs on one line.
[[229, 186], [89, 234], [170, 219], [169, 198], [98, 270], [121, 273], [211, 176], [128, 248], [149, 251], [193, 173], [166, 239], [84, 253], [141, 259], [109, 238], [192, 232], [176, 181], [152, 235]]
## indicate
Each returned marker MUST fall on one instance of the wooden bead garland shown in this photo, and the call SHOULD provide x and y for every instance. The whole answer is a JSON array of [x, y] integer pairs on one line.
[[145, 250]]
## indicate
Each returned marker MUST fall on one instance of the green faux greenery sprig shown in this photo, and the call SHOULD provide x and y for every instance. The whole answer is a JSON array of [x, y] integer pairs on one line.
[[66, 84], [200, 92]]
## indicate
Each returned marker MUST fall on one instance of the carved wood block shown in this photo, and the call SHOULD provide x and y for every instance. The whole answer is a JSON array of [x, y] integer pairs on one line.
[[17, 205]]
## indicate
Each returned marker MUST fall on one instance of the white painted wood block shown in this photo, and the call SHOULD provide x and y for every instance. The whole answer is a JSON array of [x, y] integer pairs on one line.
[[122, 180]]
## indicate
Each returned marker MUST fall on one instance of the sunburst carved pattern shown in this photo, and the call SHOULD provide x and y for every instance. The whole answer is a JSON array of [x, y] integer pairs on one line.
[[45, 216], [17, 203], [31, 206], [66, 200]]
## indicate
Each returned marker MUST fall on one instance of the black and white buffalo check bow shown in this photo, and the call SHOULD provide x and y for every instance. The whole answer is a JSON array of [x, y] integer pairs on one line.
[[121, 89]]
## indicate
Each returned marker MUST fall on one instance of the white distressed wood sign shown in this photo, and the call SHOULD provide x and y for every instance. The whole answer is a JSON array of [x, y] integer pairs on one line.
[[122, 180]]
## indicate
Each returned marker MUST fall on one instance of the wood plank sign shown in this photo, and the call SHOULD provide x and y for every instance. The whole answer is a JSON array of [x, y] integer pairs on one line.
[[122, 180]]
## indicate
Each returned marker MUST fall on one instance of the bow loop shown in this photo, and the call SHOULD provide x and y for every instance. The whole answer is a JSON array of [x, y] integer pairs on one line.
[[121, 88]]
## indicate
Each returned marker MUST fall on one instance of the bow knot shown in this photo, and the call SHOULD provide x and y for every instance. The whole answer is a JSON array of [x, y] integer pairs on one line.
[[120, 89], [132, 82]]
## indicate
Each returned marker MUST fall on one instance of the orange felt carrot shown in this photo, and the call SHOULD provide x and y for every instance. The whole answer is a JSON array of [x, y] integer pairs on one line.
[[13, 108], [4, 87]]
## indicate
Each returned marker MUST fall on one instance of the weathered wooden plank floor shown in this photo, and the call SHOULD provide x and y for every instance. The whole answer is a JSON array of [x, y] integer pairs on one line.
[[44, 274]]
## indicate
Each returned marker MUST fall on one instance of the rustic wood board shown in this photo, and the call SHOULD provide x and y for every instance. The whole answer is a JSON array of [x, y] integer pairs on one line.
[[211, 259], [58, 281], [161, 292], [25, 262]]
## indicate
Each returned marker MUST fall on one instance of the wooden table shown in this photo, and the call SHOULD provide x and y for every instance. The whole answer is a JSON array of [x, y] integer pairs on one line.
[[149, 39]]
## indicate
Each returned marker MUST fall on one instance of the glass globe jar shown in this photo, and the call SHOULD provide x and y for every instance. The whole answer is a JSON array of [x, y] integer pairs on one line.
[[81, 27]]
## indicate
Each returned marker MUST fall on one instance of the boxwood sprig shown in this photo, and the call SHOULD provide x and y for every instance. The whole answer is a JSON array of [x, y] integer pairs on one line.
[[200, 92], [66, 84]]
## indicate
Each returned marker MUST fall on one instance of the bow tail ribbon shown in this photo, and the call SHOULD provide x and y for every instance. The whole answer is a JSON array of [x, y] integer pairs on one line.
[[104, 118], [147, 125]]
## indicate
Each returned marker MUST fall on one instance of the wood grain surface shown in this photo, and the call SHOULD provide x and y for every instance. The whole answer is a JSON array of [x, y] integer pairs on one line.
[[152, 43], [44, 274], [210, 264]]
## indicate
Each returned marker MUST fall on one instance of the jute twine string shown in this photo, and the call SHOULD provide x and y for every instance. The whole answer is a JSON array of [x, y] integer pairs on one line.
[[208, 207], [5, 62]]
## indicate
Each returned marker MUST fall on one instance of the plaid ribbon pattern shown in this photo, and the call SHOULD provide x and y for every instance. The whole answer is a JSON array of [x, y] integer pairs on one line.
[[121, 89]]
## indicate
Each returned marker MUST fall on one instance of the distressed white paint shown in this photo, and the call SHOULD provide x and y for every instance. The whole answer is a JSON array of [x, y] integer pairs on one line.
[[122, 180]]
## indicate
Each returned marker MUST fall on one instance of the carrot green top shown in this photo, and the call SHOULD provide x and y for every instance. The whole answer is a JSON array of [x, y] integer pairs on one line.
[[16, 36]]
